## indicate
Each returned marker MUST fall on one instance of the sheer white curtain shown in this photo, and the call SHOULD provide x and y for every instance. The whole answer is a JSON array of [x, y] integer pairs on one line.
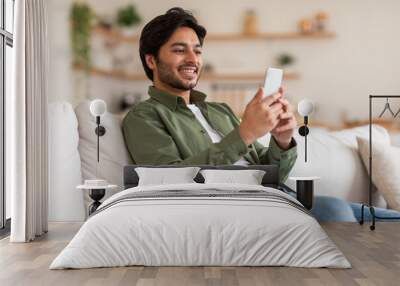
[[26, 124]]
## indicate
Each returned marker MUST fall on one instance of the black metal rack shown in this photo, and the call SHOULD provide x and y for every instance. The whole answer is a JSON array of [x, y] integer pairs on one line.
[[369, 205]]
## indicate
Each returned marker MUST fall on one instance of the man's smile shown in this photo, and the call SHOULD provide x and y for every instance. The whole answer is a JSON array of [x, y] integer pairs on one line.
[[188, 72]]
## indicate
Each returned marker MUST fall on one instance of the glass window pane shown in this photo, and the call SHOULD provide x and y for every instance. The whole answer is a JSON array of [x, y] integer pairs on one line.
[[9, 15], [8, 89], [1, 14]]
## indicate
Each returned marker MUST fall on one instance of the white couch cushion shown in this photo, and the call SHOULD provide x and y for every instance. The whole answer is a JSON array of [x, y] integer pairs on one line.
[[395, 138], [113, 153], [333, 156], [65, 201], [385, 167]]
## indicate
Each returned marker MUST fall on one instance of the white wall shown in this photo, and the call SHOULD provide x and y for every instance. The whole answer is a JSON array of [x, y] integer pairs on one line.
[[60, 80], [338, 74]]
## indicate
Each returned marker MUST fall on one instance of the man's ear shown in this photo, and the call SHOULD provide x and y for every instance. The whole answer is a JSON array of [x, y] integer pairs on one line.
[[150, 61]]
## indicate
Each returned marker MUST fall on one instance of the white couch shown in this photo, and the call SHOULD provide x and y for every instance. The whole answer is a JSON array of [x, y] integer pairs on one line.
[[333, 156]]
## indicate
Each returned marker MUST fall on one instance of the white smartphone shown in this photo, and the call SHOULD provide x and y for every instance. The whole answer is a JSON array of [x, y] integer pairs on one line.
[[273, 81]]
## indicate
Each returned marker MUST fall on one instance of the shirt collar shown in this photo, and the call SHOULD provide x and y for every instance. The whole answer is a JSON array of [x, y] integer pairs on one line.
[[172, 101]]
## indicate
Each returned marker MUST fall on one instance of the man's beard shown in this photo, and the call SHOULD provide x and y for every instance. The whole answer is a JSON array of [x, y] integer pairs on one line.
[[166, 76]]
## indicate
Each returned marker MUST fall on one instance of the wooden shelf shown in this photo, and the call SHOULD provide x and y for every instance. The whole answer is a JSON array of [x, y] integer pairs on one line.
[[116, 35], [205, 76], [244, 76], [390, 125], [114, 74], [269, 36]]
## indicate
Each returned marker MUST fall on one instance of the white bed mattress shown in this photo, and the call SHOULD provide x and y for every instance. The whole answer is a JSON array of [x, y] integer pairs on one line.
[[134, 228]]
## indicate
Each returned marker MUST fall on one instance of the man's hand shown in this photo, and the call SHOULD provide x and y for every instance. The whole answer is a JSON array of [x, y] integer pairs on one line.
[[260, 116], [284, 130]]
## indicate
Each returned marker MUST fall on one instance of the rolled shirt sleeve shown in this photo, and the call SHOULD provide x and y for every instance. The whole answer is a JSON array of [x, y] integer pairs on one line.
[[273, 154]]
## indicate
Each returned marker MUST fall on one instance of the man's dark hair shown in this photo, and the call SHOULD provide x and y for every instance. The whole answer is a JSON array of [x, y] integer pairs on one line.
[[158, 31]]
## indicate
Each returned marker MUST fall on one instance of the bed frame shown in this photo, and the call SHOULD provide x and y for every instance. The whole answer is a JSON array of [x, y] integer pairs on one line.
[[270, 179]]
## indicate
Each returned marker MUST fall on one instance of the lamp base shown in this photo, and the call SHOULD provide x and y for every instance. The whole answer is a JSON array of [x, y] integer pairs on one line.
[[96, 195]]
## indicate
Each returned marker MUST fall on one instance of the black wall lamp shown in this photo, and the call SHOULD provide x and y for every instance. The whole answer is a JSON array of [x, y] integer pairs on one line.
[[305, 108], [98, 108]]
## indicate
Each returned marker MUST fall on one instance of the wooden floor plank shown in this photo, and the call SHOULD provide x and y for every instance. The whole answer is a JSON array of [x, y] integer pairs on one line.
[[374, 255]]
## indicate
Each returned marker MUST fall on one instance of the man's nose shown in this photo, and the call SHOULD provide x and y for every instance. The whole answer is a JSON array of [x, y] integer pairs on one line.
[[191, 56]]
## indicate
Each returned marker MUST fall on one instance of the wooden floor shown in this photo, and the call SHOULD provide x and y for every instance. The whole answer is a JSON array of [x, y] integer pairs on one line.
[[374, 255]]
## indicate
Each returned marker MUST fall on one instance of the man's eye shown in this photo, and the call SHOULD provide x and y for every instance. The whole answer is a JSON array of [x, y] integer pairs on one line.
[[198, 52], [179, 51]]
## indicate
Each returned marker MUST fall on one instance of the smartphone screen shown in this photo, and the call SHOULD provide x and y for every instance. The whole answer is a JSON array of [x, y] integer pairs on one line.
[[273, 81]]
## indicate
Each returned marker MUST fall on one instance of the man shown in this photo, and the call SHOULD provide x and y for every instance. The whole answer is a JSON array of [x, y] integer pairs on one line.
[[177, 126]]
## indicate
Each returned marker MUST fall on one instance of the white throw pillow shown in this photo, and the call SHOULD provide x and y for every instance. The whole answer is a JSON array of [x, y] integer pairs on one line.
[[113, 152], [385, 169], [166, 176], [247, 177], [333, 156]]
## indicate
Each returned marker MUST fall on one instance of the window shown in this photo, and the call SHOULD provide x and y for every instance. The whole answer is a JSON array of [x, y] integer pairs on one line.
[[6, 45]]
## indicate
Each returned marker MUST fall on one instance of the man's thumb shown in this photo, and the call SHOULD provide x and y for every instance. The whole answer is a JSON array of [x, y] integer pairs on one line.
[[259, 95]]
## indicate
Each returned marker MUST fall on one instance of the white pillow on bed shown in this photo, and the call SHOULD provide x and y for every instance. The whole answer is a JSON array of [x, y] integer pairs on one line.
[[247, 177], [163, 176]]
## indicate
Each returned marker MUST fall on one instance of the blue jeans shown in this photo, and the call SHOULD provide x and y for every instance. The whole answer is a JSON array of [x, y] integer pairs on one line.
[[334, 209]]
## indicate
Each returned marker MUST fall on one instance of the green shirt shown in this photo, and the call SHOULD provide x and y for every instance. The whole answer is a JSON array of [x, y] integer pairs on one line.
[[163, 130]]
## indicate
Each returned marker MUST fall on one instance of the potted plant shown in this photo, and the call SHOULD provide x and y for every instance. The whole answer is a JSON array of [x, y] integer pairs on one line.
[[127, 18], [285, 61], [81, 17]]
